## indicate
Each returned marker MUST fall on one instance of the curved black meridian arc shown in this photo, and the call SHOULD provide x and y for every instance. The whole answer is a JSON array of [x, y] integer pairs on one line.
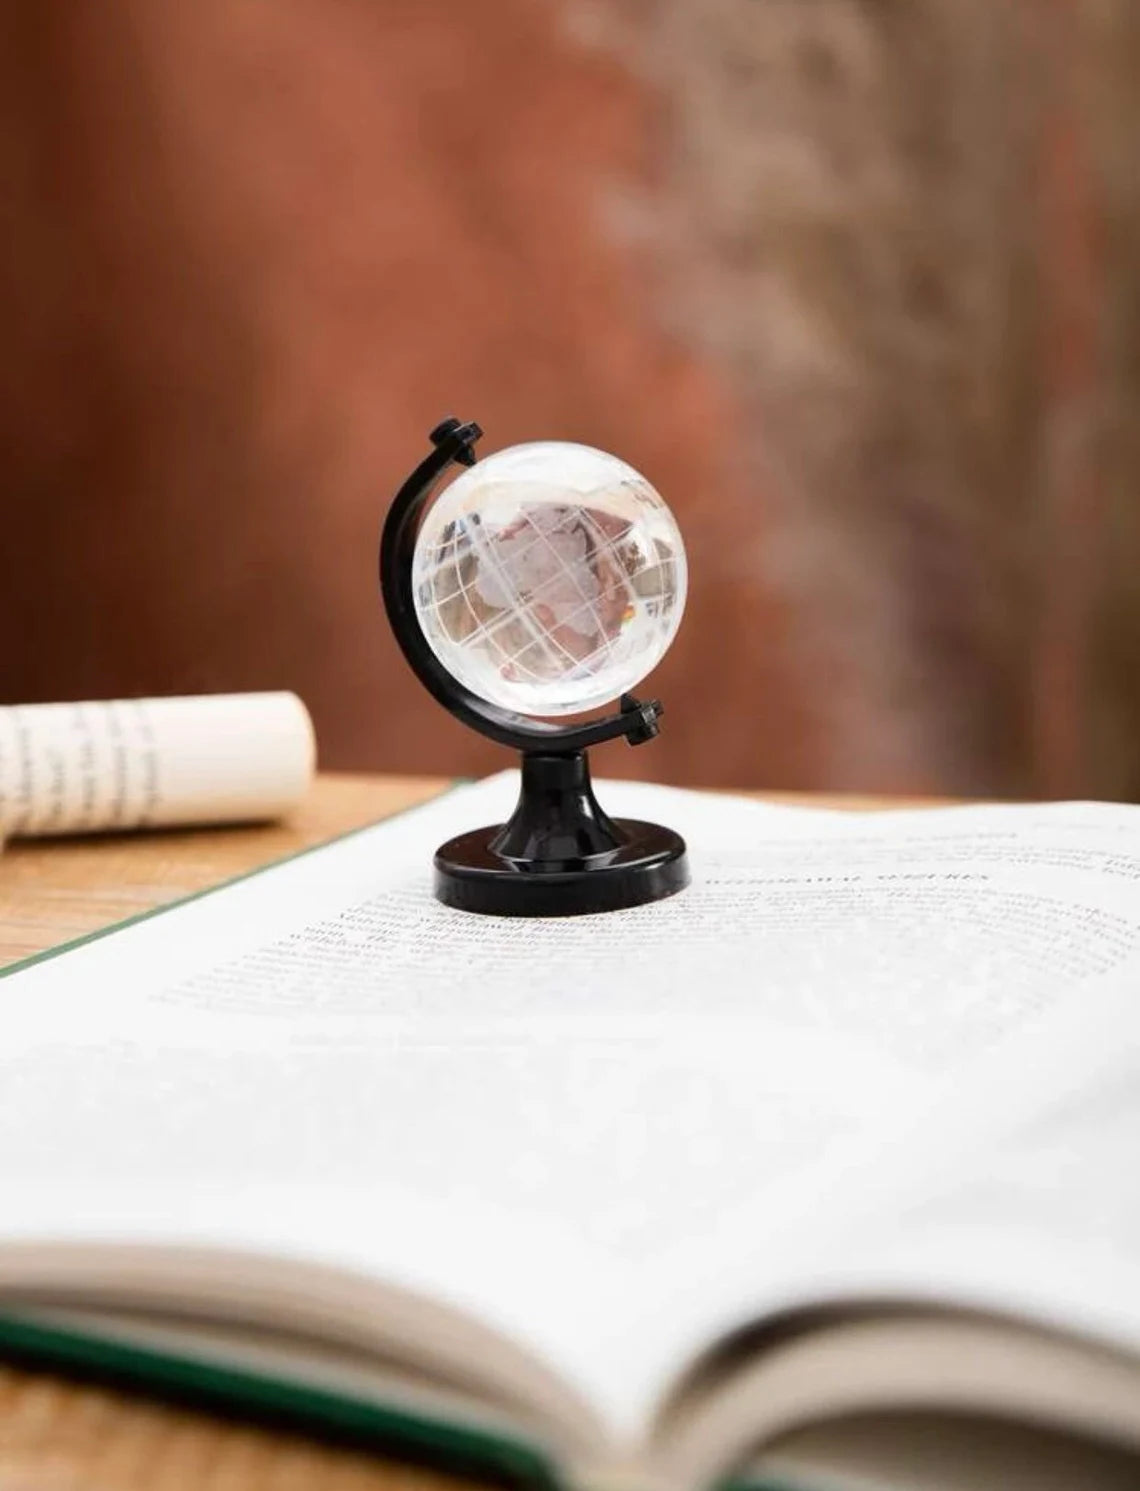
[[453, 442]]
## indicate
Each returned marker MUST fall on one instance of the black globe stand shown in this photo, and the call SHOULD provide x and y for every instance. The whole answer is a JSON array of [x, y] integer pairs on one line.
[[559, 854]]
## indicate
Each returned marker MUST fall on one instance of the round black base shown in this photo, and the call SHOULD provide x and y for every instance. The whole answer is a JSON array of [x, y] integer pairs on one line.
[[649, 865]]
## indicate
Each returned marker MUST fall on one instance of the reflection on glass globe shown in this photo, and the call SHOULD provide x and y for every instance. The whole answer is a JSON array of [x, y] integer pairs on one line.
[[549, 578]]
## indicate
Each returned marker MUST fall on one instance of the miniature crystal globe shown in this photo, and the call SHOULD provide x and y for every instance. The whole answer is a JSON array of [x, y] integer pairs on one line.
[[549, 578], [543, 582]]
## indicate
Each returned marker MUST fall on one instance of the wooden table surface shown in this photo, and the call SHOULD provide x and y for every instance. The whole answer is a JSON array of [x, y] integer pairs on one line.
[[60, 1436], [54, 890]]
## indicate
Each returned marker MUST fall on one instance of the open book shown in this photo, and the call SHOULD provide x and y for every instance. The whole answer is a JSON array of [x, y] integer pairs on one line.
[[822, 1174]]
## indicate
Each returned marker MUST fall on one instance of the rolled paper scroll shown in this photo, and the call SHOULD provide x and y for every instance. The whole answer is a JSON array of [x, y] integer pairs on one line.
[[124, 764]]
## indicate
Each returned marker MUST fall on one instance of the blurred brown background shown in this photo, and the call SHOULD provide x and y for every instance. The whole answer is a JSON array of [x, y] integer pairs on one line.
[[855, 284]]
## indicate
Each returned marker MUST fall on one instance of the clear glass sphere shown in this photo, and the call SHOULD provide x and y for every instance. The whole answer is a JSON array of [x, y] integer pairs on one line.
[[549, 578]]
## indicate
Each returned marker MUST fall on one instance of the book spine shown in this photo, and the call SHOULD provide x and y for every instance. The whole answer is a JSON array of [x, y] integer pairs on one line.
[[149, 763]]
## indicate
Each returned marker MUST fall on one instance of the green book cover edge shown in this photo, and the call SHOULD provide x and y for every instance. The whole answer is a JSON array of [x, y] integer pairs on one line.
[[291, 1407], [277, 1402]]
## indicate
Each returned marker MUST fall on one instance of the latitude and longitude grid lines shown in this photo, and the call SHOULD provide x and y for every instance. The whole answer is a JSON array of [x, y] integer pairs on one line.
[[598, 543]]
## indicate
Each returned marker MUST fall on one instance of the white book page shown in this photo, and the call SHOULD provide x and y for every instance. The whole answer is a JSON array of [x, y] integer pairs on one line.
[[1023, 1193], [1013, 1187], [1015, 1193], [1029, 1196], [521, 1117]]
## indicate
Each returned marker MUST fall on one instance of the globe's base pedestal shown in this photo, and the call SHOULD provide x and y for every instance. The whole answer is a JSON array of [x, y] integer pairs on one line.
[[648, 863]]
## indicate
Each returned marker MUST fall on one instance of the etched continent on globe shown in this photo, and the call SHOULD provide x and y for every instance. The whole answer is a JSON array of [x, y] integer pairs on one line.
[[549, 578]]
